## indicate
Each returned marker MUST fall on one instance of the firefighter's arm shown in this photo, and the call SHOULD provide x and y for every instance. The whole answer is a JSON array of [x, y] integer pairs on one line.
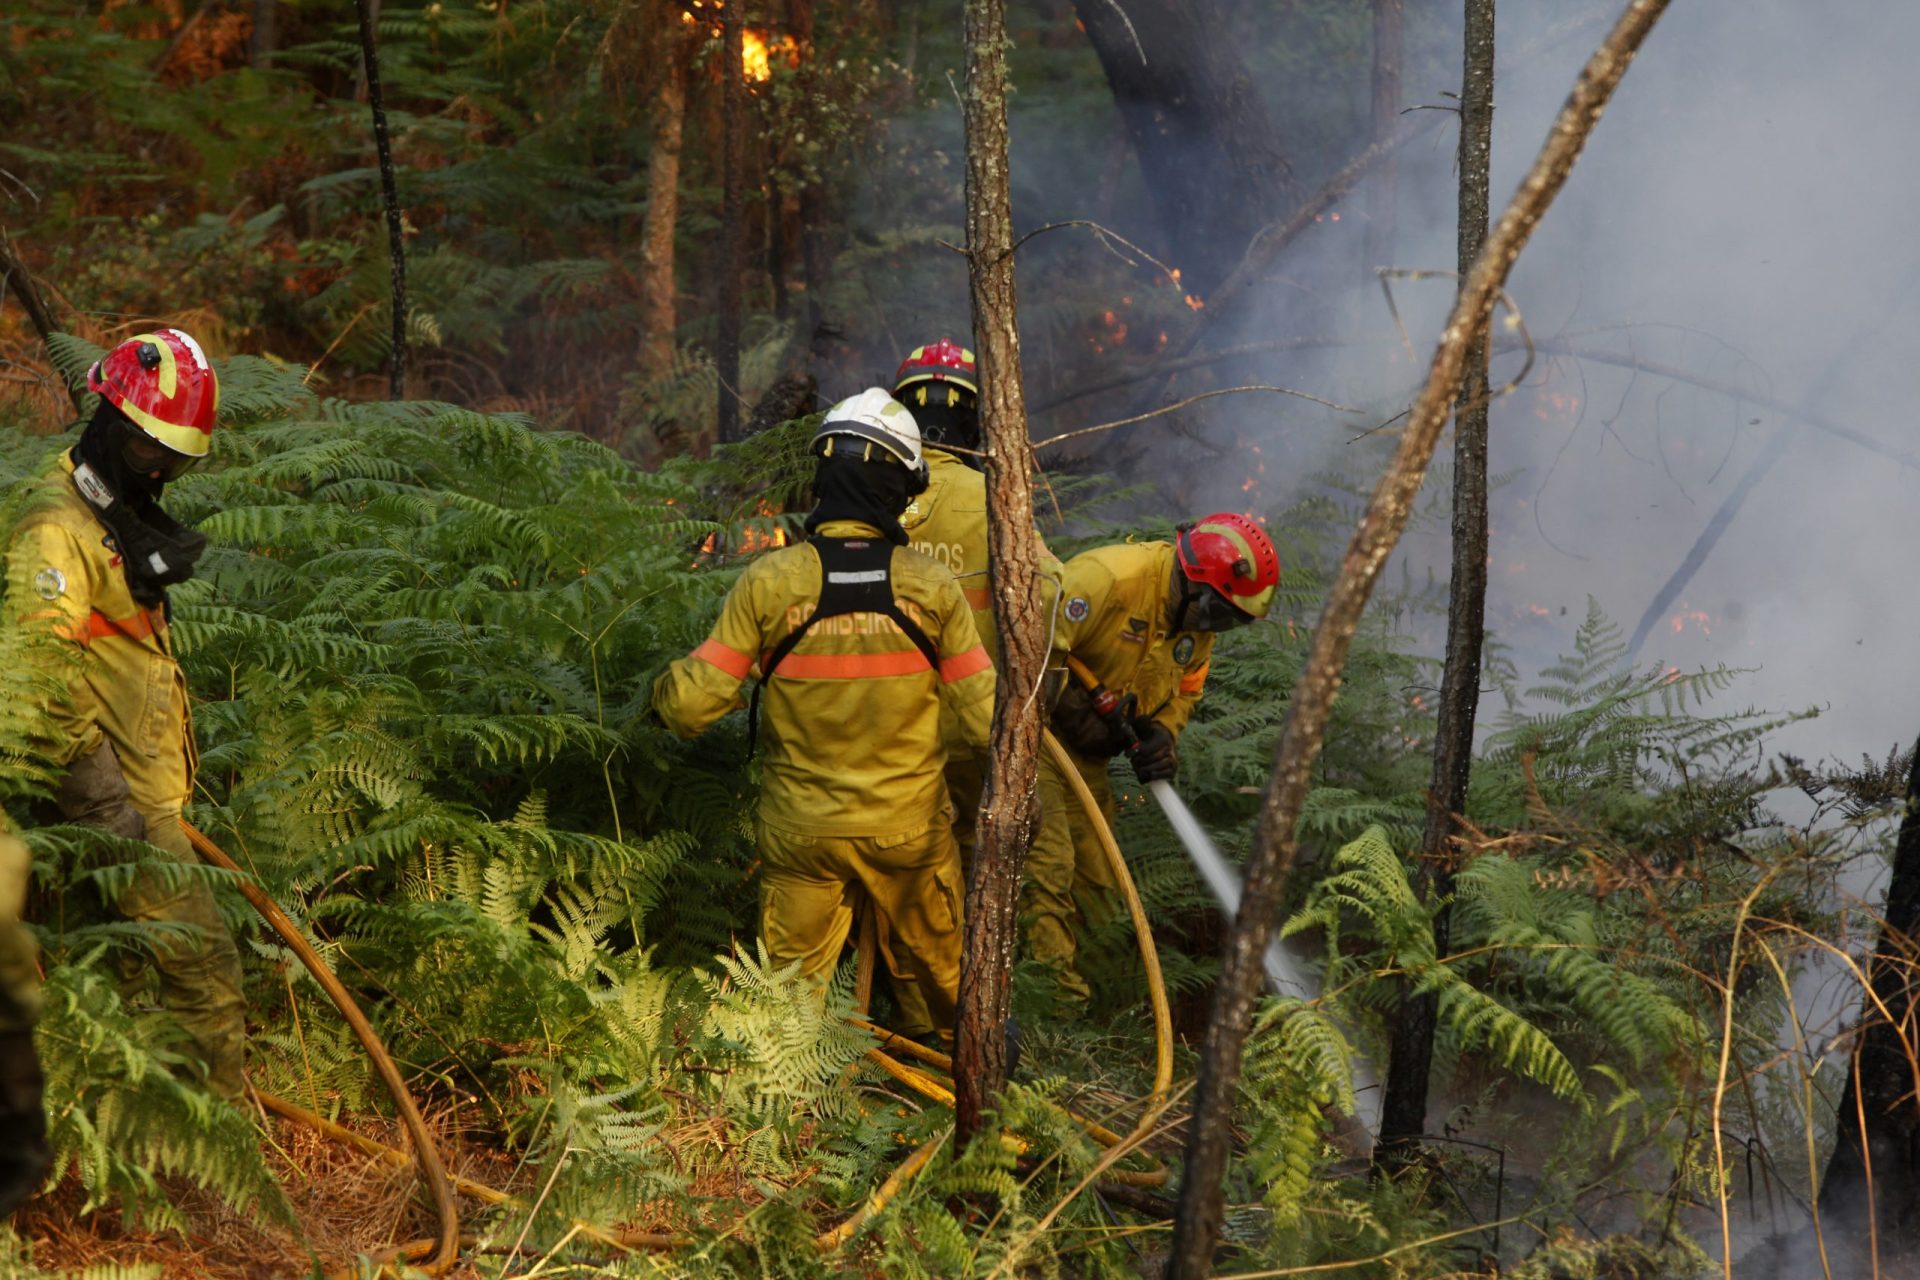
[[1193, 685], [697, 690], [50, 598], [966, 673]]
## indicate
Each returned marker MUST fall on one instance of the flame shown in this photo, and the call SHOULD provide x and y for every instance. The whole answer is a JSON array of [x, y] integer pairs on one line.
[[1195, 304], [758, 50], [1539, 611]]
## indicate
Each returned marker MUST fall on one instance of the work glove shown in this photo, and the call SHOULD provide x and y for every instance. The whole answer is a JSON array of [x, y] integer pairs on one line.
[[1154, 760]]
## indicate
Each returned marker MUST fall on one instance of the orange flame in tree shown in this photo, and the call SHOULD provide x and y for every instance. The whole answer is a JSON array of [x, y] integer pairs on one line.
[[757, 52]]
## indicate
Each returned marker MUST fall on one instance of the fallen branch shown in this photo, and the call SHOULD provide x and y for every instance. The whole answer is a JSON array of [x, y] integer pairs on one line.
[[1197, 1226]]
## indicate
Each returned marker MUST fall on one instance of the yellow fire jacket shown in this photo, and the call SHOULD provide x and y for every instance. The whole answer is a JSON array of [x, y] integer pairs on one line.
[[1116, 618], [949, 524], [128, 687], [851, 740]]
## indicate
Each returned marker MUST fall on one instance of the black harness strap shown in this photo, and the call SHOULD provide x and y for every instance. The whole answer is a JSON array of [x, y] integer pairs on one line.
[[856, 576]]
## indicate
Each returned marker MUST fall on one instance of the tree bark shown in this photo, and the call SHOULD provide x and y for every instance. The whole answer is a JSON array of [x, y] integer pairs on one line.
[[1873, 1177], [1410, 1064], [733, 228], [264, 39], [15, 278], [1197, 1227], [1208, 149], [659, 316], [368, 11], [1006, 821], [1387, 46]]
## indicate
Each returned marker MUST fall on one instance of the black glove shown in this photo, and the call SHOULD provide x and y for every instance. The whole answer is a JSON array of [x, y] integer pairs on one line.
[[1154, 760]]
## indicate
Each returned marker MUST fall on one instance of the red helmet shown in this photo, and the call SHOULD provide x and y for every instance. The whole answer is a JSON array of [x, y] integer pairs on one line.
[[163, 383], [942, 361], [1234, 556]]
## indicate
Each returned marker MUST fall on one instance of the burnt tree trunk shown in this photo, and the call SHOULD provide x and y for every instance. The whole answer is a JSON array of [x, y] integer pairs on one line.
[[1873, 1177], [369, 14], [17, 280], [1384, 189], [733, 223], [1207, 147], [1404, 1113], [659, 311], [1202, 1189], [264, 39], [1006, 821]]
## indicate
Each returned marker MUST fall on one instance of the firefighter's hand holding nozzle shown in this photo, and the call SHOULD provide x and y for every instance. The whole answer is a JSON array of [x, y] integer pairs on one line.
[[1153, 755]]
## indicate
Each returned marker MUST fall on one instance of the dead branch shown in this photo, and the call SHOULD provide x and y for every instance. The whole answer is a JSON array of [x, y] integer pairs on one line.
[[1197, 1227], [1178, 405]]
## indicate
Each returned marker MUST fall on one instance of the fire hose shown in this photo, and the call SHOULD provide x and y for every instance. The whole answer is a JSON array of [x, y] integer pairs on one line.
[[437, 1254]]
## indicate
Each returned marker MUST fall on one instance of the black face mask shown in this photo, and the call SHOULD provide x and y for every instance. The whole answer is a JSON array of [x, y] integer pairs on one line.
[[949, 417], [115, 466], [1206, 608], [853, 488]]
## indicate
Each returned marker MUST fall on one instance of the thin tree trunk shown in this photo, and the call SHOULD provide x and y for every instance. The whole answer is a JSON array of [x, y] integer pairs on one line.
[[1874, 1172], [1387, 45], [264, 40], [659, 318], [733, 228], [1410, 1065], [369, 11], [16, 279], [1006, 822], [1197, 1227]]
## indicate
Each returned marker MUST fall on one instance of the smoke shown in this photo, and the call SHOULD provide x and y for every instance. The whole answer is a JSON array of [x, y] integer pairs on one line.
[[1743, 213]]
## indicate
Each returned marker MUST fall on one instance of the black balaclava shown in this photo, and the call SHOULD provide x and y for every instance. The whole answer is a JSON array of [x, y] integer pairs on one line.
[[950, 415], [853, 488], [156, 550]]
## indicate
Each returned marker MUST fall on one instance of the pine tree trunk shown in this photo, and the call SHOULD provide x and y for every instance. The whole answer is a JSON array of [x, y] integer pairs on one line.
[[659, 316], [1876, 1156], [369, 12], [1210, 1134], [1404, 1115], [733, 224], [1383, 191], [1006, 822]]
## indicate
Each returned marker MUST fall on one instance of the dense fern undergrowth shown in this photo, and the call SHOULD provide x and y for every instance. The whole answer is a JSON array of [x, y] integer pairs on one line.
[[420, 651]]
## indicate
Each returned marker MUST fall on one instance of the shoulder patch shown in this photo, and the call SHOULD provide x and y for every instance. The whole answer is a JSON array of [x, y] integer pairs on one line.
[[1077, 609], [50, 583], [1183, 650]]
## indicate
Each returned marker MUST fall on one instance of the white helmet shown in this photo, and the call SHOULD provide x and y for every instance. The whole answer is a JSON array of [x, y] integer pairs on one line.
[[874, 418]]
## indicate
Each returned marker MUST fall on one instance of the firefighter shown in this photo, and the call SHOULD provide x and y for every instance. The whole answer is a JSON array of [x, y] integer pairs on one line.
[[24, 1154], [96, 555], [1136, 630], [860, 641], [939, 384]]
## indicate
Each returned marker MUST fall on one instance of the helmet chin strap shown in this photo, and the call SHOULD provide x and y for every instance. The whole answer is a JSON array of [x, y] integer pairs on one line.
[[1187, 591]]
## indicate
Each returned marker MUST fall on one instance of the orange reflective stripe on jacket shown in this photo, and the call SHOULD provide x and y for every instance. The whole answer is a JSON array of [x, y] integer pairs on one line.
[[962, 665], [729, 660], [851, 666], [136, 626], [1195, 681]]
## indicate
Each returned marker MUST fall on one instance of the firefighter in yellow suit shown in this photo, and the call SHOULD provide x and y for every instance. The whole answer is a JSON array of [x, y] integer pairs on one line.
[[860, 643], [939, 384], [96, 555], [1137, 625]]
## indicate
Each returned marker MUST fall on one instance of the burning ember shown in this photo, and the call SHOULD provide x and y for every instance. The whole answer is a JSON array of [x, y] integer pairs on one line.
[[760, 532], [1697, 617]]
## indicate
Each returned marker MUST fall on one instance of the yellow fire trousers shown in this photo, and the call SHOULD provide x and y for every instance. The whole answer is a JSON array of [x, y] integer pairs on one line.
[[1067, 878], [811, 886]]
